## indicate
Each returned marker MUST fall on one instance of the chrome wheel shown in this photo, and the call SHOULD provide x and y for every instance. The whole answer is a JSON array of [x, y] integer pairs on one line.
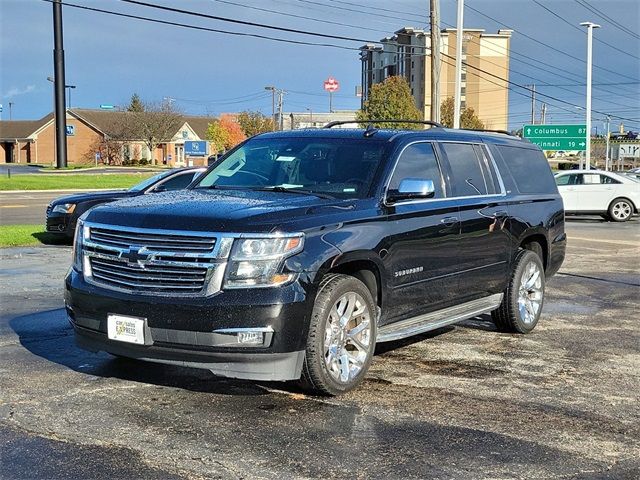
[[347, 337], [530, 293], [621, 210]]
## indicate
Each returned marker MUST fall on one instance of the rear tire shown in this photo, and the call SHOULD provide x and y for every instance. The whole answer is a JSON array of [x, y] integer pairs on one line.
[[620, 210], [342, 336], [523, 298]]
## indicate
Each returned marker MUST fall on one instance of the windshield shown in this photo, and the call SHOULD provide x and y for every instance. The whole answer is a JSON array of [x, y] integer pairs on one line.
[[342, 168], [149, 181]]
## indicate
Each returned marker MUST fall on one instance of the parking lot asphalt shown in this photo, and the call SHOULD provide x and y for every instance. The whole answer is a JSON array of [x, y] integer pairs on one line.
[[461, 402], [26, 207]]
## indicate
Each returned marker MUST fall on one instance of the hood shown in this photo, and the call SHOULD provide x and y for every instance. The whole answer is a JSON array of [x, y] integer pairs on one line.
[[214, 210], [92, 196]]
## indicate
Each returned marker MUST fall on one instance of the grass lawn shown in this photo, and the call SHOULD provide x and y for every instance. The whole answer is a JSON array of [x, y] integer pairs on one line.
[[62, 182], [27, 235]]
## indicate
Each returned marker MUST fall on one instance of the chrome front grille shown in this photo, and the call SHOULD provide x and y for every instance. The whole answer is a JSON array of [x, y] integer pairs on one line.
[[151, 241], [155, 262], [150, 277]]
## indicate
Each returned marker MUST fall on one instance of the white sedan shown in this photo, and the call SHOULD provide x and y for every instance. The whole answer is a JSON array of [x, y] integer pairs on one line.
[[589, 192]]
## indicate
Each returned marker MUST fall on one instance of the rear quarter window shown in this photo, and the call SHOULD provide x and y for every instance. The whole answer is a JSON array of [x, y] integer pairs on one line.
[[529, 169]]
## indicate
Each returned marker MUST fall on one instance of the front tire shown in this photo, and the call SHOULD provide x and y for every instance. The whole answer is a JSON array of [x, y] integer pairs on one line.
[[342, 336], [620, 210], [523, 298]]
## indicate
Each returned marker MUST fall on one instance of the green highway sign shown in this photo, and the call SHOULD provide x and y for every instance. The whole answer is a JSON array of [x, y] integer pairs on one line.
[[557, 137]]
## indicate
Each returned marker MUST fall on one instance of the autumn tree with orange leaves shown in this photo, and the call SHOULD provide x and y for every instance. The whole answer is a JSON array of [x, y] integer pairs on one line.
[[224, 134]]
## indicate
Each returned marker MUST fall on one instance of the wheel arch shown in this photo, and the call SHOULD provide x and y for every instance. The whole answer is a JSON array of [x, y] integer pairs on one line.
[[363, 266]]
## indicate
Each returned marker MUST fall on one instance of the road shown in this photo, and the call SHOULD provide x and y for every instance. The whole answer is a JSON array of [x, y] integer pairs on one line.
[[462, 402], [23, 169], [26, 207], [29, 208]]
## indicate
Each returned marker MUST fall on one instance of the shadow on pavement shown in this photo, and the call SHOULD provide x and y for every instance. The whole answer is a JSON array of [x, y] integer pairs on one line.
[[51, 239], [48, 335]]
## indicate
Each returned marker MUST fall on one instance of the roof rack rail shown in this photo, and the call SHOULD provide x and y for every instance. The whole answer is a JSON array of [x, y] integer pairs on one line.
[[493, 131], [371, 122]]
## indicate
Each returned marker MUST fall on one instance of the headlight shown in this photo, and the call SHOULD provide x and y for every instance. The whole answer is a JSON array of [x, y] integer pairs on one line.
[[257, 262], [64, 208], [82, 232]]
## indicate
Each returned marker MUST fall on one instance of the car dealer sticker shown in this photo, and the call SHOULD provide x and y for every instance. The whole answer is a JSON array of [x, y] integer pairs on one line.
[[125, 329]]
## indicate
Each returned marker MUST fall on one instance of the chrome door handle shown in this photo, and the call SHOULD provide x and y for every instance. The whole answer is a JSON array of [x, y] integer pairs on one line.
[[449, 221]]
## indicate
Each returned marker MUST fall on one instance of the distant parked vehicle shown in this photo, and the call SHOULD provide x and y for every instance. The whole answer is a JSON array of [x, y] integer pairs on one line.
[[63, 212], [596, 192]]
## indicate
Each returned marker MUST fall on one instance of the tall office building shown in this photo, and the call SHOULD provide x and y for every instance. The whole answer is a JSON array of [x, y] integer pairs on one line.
[[484, 79]]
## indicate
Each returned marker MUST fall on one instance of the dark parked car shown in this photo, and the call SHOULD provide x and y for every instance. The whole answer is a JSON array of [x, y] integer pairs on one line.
[[63, 212], [298, 251]]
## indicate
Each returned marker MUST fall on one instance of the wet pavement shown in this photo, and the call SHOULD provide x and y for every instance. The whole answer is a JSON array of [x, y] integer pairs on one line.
[[461, 402]]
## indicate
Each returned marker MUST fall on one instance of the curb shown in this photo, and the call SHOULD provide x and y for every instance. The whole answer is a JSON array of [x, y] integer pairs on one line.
[[64, 191]]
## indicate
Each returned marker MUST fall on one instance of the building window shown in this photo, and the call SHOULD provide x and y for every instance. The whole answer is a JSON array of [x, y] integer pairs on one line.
[[374, 64], [413, 64], [412, 77], [412, 91]]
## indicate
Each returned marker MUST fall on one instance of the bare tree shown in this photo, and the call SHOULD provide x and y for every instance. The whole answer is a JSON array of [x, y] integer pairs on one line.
[[156, 123]]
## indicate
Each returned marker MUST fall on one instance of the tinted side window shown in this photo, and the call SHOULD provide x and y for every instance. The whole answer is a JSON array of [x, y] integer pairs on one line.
[[468, 177], [608, 180], [529, 169], [418, 161], [178, 182]]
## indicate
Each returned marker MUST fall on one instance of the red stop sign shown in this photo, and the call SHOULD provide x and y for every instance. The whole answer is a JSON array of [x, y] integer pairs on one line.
[[331, 85]]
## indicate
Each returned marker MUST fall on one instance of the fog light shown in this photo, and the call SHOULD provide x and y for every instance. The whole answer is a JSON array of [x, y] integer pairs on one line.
[[251, 338]]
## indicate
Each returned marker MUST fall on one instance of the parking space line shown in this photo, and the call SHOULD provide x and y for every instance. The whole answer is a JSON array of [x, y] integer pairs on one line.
[[613, 242], [14, 206]]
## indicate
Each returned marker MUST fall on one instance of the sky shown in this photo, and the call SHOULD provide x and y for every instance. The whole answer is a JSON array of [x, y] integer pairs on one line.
[[206, 73]]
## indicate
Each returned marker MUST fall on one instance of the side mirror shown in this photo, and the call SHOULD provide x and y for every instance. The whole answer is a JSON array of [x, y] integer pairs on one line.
[[412, 189]]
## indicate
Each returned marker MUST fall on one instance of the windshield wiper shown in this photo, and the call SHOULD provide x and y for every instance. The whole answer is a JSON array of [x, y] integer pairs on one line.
[[293, 190]]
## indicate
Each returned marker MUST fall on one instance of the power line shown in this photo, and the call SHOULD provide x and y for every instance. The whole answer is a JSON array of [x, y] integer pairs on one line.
[[304, 43], [244, 22], [607, 18], [618, 74], [564, 20], [206, 29], [293, 15]]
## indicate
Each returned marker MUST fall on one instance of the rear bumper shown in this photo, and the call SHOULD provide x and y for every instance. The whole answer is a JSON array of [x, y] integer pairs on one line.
[[557, 251]]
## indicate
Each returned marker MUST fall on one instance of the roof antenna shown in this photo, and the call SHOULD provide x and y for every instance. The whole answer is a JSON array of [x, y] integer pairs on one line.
[[370, 131]]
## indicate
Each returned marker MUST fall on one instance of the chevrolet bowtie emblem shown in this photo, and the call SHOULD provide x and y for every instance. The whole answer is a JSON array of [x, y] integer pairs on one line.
[[136, 256]]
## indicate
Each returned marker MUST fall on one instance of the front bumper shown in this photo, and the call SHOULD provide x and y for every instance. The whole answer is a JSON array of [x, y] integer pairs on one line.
[[61, 223], [184, 330]]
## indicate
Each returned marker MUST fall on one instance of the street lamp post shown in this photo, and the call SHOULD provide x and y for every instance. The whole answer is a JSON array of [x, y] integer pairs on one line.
[[458, 84], [69, 88], [590, 26]]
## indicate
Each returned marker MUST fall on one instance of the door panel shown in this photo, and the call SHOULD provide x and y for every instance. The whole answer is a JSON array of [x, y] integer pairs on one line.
[[422, 257], [484, 246], [592, 195]]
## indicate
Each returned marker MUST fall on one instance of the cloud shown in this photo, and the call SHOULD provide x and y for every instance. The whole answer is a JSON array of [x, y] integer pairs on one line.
[[15, 91]]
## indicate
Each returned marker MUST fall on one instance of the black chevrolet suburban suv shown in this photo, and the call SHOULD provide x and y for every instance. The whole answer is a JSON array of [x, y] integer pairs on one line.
[[297, 252]]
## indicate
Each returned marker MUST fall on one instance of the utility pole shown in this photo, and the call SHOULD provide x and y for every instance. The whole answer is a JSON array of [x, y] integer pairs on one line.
[[10, 110], [280, 105], [606, 158], [273, 103], [532, 88], [435, 60], [543, 114], [458, 93], [58, 64], [590, 26]]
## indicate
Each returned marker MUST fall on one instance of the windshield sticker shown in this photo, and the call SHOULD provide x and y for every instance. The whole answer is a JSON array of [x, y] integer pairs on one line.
[[348, 190], [285, 159]]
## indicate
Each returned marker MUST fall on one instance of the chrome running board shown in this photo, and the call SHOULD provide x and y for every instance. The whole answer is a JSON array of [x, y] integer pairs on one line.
[[440, 318]]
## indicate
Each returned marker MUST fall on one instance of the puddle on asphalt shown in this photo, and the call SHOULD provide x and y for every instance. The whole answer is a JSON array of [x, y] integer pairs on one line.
[[561, 306]]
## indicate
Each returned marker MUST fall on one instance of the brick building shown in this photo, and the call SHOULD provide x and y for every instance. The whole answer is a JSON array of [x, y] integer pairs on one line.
[[33, 141]]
